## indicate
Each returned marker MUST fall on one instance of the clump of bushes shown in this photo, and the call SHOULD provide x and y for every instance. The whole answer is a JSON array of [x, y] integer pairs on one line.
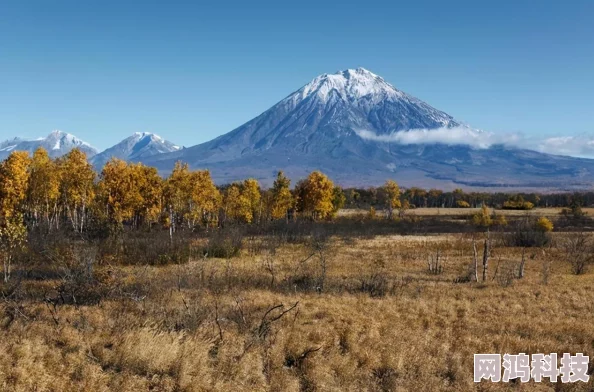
[[224, 244], [376, 285], [512, 205], [544, 225], [578, 249], [78, 283], [575, 211], [154, 248], [530, 232], [517, 203], [484, 218]]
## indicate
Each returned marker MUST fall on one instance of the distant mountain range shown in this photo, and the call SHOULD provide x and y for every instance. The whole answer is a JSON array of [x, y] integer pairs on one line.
[[133, 149], [56, 144], [355, 127]]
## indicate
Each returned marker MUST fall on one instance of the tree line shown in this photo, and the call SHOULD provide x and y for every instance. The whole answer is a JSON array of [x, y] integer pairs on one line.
[[436, 198], [38, 191]]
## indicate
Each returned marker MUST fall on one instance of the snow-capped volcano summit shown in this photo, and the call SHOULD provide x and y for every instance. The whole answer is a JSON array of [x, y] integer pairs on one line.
[[362, 89], [351, 84], [345, 125], [323, 117], [57, 143], [134, 148]]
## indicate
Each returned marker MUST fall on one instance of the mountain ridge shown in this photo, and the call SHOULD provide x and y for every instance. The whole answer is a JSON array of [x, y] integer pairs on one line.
[[57, 143], [134, 148]]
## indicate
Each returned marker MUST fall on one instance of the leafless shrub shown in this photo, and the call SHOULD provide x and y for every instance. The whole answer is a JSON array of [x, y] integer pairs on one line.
[[224, 244], [577, 249], [376, 285], [319, 246], [436, 263], [469, 275], [77, 284], [152, 248], [523, 233], [263, 329], [506, 275], [385, 378], [12, 306]]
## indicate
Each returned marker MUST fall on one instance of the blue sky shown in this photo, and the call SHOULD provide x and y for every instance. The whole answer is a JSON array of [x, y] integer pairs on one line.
[[190, 71]]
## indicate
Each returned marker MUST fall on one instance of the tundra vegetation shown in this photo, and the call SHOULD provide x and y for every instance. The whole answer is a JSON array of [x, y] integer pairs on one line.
[[126, 281]]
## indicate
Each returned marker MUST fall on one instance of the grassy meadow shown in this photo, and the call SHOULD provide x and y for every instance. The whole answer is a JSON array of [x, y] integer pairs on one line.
[[362, 307]]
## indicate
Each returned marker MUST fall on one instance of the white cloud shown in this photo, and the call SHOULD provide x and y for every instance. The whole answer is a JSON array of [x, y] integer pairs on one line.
[[579, 146]]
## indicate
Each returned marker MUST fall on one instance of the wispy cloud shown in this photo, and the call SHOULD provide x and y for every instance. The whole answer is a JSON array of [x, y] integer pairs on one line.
[[579, 146]]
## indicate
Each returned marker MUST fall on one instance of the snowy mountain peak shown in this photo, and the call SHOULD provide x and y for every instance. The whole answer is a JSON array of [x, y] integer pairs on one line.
[[140, 135], [349, 85], [57, 143], [134, 148], [62, 140], [359, 73]]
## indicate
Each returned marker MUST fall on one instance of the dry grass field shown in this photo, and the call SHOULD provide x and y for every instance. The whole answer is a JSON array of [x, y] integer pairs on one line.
[[344, 314]]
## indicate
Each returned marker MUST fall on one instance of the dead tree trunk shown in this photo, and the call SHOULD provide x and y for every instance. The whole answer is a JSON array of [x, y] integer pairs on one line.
[[522, 264], [486, 258], [475, 260]]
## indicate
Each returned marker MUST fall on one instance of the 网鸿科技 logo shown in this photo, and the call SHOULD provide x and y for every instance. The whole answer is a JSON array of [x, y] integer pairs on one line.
[[574, 368]]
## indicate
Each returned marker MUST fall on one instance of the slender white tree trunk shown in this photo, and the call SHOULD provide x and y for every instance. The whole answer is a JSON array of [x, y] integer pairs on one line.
[[7, 261]]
